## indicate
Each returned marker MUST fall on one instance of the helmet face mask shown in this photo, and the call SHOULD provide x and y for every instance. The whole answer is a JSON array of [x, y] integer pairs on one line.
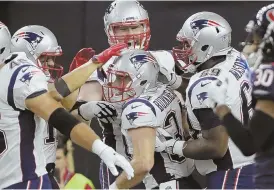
[[118, 87], [128, 22], [136, 34], [49, 66], [183, 54], [40, 46], [134, 72]]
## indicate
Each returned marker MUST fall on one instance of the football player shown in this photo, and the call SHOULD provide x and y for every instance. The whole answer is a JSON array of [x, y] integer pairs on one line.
[[150, 109], [258, 135], [26, 105], [125, 21], [31, 40], [205, 48]]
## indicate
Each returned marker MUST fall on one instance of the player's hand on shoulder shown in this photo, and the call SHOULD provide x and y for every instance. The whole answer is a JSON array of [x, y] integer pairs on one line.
[[112, 159], [103, 110]]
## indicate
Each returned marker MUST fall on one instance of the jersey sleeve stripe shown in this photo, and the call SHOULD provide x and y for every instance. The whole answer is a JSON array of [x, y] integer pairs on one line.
[[10, 97], [195, 83], [141, 101]]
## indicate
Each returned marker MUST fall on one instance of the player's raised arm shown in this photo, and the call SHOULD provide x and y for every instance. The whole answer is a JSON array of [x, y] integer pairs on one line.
[[75, 79]]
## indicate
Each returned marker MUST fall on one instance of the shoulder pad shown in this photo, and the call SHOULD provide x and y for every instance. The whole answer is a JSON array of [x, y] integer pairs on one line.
[[165, 59], [197, 93], [139, 113], [25, 81]]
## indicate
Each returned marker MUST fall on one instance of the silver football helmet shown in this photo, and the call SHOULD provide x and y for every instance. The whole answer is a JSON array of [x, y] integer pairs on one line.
[[38, 41], [130, 13], [130, 75], [203, 35], [5, 42]]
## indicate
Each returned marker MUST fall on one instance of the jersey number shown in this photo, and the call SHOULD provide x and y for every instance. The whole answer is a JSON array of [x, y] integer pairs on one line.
[[246, 107], [3, 142], [264, 77], [211, 72], [168, 123], [50, 139]]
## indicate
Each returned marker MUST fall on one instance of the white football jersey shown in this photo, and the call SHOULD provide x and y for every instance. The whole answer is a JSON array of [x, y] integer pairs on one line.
[[112, 132], [21, 132], [238, 98], [160, 109]]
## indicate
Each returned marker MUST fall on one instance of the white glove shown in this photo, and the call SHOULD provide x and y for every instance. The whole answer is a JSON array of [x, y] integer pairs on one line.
[[112, 158], [159, 145], [161, 137], [165, 142], [217, 91], [175, 147], [103, 110], [113, 186]]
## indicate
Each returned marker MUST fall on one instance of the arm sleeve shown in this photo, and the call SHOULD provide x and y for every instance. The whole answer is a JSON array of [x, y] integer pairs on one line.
[[207, 118], [240, 135]]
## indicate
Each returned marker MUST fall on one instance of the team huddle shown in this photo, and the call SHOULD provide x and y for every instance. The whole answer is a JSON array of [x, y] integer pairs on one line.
[[202, 106]]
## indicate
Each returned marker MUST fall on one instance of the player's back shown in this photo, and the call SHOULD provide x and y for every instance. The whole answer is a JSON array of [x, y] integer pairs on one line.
[[21, 132], [238, 98], [161, 109]]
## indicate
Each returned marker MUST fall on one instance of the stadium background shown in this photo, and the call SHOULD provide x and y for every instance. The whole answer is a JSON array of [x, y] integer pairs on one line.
[[80, 24]]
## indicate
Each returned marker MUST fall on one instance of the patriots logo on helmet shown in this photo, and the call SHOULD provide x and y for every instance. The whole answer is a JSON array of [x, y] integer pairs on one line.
[[32, 38], [139, 60], [202, 97], [198, 25], [134, 115]]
